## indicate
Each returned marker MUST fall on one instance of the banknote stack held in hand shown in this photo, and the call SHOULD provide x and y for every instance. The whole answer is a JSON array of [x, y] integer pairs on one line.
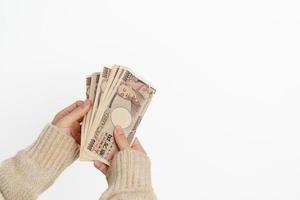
[[119, 98]]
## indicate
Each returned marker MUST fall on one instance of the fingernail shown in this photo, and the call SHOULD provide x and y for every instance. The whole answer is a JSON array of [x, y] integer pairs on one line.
[[119, 130], [86, 103], [96, 163]]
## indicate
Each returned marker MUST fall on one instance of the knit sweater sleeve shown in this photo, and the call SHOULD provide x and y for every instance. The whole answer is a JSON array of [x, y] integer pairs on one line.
[[35, 168], [129, 177]]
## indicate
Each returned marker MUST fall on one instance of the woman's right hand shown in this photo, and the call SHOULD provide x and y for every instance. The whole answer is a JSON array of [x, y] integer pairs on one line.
[[122, 143]]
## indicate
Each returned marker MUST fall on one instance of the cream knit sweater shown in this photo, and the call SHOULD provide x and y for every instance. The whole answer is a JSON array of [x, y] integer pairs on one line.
[[35, 168]]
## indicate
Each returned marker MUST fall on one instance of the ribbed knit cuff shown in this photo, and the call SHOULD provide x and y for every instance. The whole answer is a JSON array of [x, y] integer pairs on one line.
[[130, 170], [54, 149], [35, 168]]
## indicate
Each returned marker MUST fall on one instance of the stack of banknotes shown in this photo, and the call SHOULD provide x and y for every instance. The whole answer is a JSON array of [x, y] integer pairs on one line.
[[119, 98]]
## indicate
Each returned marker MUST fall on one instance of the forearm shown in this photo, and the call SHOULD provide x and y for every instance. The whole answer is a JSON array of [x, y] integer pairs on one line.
[[129, 177], [35, 168]]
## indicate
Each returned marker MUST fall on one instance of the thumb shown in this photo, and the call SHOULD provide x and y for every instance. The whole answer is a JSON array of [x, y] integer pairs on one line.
[[120, 138], [78, 113]]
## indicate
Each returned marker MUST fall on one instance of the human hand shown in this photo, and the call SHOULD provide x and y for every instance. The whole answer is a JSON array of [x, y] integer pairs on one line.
[[69, 119], [122, 143]]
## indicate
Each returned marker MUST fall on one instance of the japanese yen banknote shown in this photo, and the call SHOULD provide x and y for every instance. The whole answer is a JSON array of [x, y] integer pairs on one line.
[[119, 98]]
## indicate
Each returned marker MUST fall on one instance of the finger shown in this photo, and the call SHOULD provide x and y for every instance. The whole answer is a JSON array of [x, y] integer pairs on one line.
[[137, 146], [101, 166], [76, 132], [78, 112], [81, 119], [66, 111], [120, 138], [73, 106]]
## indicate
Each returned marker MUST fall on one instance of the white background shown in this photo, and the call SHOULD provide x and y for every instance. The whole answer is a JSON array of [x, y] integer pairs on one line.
[[225, 122]]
